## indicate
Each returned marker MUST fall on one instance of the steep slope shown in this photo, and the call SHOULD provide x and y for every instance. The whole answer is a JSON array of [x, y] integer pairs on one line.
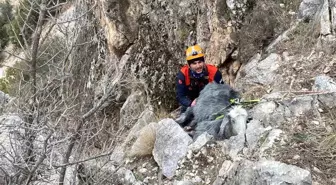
[[107, 68]]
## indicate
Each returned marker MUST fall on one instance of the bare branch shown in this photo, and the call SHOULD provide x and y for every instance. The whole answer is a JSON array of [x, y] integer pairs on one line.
[[56, 6], [23, 59], [36, 39], [79, 17], [16, 36], [47, 33], [3, 65]]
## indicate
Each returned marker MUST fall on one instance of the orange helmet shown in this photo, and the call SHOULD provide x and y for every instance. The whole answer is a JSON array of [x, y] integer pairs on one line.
[[194, 52]]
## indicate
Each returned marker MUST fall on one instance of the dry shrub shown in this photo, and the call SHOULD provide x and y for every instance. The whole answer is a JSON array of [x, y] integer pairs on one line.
[[329, 142], [311, 146], [302, 39], [162, 113], [145, 143], [261, 25], [254, 92]]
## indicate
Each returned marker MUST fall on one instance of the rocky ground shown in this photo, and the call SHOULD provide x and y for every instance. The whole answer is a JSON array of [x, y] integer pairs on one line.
[[290, 136]]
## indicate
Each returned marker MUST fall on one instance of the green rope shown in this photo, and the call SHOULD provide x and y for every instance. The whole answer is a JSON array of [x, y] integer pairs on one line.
[[244, 103], [219, 117], [236, 101], [239, 101]]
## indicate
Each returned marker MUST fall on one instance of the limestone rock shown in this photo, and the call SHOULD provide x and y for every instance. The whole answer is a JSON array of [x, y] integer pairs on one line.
[[272, 136], [132, 109], [126, 177], [200, 141], [270, 113], [262, 172], [171, 145], [300, 105], [253, 133], [326, 84], [11, 143], [308, 9], [235, 145], [183, 183], [146, 117], [257, 72], [273, 172], [325, 19]]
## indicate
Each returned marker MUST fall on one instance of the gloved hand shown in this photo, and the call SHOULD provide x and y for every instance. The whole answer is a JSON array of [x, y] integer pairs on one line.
[[193, 103]]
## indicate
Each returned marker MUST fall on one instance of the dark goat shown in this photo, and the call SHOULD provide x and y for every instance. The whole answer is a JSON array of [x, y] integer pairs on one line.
[[207, 115]]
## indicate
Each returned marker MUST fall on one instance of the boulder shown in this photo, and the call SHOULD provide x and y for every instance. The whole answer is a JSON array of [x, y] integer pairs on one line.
[[253, 133], [171, 145], [326, 85], [259, 72], [264, 172]]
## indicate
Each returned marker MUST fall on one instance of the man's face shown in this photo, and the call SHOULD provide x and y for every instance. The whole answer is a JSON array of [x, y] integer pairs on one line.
[[197, 66]]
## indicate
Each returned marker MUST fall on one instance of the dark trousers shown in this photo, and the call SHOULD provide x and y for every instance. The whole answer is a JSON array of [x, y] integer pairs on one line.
[[183, 109]]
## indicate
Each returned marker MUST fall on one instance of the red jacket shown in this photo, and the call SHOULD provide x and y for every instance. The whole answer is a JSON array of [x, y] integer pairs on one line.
[[188, 88]]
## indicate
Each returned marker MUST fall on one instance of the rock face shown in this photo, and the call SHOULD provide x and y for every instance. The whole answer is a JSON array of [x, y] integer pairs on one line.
[[308, 9], [317, 9], [259, 72], [253, 132], [155, 35], [270, 113], [146, 40]]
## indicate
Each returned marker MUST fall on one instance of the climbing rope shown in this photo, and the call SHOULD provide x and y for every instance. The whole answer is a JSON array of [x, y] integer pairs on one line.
[[235, 101], [238, 101]]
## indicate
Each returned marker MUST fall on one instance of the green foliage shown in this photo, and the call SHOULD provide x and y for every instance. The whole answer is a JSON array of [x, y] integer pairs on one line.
[[25, 19], [5, 18], [300, 137], [9, 83], [19, 74], [4, 85]]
